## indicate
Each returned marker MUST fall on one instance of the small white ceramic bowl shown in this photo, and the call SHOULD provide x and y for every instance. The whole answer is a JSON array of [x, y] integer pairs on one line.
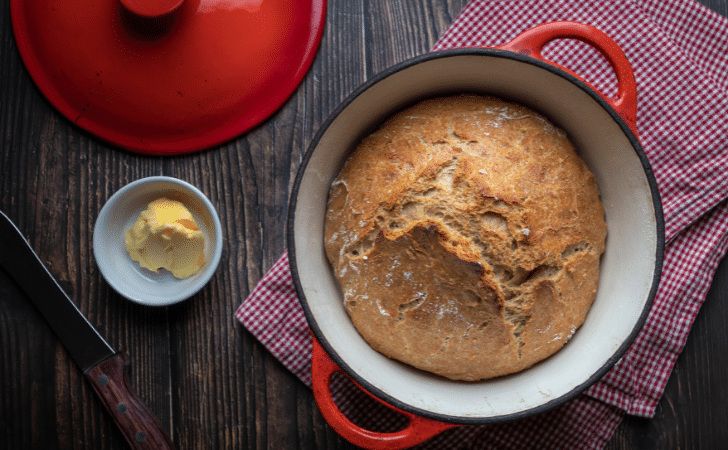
[[125, 275]]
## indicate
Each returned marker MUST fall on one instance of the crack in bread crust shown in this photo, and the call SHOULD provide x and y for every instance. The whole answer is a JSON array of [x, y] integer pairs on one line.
[[466, 235]]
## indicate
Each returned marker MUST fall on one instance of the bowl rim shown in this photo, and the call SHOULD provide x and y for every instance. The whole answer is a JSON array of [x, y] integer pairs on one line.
[[624, 127], [129, 188]]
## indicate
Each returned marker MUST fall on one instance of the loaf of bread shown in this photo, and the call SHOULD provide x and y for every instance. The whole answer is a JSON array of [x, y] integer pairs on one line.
[[466, 234]]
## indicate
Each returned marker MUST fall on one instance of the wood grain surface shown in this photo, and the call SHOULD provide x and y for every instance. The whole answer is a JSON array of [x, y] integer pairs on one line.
[[210, 383]]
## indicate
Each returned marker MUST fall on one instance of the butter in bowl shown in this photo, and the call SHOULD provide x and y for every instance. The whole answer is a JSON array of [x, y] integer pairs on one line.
[[157, 241]]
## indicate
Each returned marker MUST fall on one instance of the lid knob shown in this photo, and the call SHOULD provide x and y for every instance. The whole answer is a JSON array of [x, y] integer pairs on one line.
[[151, 8]]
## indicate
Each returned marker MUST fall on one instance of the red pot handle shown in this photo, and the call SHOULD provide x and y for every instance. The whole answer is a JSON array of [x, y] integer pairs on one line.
[[531, 43], [419, 429]]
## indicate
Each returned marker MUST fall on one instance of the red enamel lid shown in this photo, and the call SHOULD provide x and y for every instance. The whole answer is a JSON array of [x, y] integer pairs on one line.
[[167, 76]]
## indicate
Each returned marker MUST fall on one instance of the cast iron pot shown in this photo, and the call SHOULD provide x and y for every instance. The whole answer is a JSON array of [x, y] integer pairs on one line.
[[604, 132]]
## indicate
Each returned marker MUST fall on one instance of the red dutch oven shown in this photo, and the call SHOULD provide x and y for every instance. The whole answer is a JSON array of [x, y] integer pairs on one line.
[[605, 133]]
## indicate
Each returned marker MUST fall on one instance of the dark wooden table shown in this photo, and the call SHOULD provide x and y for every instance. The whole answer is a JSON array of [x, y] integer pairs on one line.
[[212, 385]]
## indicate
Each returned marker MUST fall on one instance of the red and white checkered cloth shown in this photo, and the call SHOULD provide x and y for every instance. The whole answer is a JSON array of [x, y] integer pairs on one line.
[[678, 49]]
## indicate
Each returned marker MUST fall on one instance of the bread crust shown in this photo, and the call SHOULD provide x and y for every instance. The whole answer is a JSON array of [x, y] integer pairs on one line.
[[466, 235]]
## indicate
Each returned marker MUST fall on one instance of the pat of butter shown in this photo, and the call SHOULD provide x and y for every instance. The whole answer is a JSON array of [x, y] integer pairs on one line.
[[165, 235]]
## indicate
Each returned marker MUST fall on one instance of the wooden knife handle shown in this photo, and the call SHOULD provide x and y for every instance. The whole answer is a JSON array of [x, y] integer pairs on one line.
[[140, 427]]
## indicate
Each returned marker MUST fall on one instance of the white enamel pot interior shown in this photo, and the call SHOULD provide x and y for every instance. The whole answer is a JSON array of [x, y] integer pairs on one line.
[[630, 266]]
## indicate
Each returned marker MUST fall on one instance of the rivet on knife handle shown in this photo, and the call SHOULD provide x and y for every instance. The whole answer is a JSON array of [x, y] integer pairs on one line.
[[140, 427]]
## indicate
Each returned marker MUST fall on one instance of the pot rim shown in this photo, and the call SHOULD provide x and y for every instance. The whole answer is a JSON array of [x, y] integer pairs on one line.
[[659, 224]]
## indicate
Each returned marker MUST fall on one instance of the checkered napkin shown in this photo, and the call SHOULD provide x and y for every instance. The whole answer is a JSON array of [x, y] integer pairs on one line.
[[678, 51]]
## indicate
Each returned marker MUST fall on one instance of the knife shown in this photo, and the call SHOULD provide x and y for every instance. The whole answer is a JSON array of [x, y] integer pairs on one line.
[[105, 369]]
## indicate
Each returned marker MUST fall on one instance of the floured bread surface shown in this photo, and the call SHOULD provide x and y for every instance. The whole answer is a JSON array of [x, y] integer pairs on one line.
[[466, 235]]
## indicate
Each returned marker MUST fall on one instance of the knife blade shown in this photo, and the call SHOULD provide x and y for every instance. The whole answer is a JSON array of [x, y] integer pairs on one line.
[[104, 368]]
